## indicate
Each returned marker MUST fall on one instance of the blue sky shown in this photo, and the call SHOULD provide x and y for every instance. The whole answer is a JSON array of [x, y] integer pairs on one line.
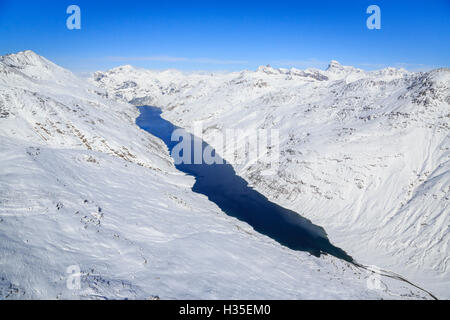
[[229, 35]]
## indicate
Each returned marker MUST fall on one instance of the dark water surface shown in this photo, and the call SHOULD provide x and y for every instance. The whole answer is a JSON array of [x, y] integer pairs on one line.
[[231, 193]]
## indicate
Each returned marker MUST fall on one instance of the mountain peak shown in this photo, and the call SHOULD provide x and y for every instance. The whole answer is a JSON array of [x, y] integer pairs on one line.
[[268, 69], [334, 65], [28, 53], [24, 58], [32, 65]]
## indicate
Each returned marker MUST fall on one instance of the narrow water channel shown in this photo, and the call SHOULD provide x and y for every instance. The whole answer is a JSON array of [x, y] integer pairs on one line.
[[221, 184]]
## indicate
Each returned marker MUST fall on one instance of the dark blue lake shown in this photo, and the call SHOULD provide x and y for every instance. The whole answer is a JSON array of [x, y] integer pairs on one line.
[[221, 184]]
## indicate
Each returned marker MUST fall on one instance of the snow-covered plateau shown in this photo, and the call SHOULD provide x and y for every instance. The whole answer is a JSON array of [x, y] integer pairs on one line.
[[365, 155]]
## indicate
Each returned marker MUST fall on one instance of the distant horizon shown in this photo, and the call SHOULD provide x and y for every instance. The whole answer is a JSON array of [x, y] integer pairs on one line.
[[229, 36], [88, 73]]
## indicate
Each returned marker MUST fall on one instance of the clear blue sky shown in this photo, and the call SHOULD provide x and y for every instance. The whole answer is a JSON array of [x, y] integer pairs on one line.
[[229, 35]]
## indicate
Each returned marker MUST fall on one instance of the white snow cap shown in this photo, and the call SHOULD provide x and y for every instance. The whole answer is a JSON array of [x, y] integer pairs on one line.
[[268, 69], [334, 65], [24, 58]]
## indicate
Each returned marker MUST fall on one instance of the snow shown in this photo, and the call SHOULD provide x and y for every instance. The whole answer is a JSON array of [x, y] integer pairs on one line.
[[363, 154], [81, 185]]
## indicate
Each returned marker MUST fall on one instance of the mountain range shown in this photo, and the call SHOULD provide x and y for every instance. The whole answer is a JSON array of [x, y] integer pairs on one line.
[[363, 154]]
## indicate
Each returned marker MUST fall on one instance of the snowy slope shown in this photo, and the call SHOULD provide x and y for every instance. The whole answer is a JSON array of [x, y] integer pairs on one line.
[[363, 154], [81, 184]]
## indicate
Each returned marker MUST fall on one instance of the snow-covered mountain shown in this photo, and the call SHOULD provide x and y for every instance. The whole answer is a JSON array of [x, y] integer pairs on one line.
[[363, 154], [82, 186]]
